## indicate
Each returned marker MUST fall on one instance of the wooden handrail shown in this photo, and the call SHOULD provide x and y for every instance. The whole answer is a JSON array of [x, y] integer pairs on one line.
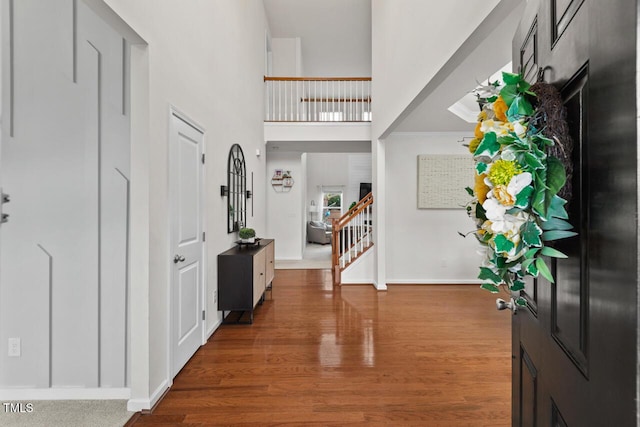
[[297, 79], [354, 211], [338, 225]]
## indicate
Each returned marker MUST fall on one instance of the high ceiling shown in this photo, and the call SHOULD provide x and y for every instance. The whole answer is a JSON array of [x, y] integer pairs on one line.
[[336, 41], [335, 34]]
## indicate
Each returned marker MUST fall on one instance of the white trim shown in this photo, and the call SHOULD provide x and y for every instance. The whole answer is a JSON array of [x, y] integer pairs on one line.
[[174, 112], [433, 282], [379, 287], [213, 329], [65, 393], [136, 405]]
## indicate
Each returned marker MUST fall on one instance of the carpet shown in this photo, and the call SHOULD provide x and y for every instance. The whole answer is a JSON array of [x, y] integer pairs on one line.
[[67, 413]]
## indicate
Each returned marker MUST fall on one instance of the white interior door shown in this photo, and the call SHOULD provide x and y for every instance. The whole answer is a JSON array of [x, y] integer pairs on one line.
[[186, 147], [65, 163]]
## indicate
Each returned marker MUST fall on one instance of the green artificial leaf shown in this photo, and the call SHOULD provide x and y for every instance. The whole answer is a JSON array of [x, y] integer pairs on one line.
[[521, 302], [481, 213], [531, 253], [531, 234], [555, 224], [518, 285], [492, 98], [542, 140], [503, 245], [469, 191], [548, 236], [523, 197], [529, 266], [489, 146], [544, 270], [538, 202], [556, 177], [507, 140], [490, 287], [548, 182], [481, 168], [556, 209], [487, 274], [551, 252], [511, 78], [508, 94], [532, 161], [523, 86], [519, 107]]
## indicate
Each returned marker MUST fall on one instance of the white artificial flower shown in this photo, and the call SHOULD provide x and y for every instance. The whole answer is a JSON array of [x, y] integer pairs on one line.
[[518, 183], [519, 129]]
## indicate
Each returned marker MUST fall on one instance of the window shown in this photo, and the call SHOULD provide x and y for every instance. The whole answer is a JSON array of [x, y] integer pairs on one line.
[[331, 206]]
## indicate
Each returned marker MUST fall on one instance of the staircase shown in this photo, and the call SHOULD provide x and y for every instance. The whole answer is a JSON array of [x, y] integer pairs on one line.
[[352, 237]]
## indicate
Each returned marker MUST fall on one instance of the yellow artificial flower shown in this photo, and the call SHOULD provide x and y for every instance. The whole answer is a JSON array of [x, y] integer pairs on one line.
[[502, 171], [500, 108], [473, 145], [478, 133], [480, 188], [502, 195]]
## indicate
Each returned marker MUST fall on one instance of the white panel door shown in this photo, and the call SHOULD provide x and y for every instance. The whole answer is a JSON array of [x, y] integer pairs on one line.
[[65, 162], [186, 229]]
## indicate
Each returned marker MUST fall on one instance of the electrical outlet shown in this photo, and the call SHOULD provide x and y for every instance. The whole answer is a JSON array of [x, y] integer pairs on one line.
[[14, 347], [215, 296]]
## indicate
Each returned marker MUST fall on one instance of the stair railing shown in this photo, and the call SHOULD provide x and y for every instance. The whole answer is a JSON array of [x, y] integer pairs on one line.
[[352, 235]]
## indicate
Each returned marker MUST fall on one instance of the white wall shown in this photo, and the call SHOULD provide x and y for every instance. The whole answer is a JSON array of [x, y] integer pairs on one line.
[[423, 245], [207, 60], [409, 47], [286, 56], [286, 210], [346, 171]]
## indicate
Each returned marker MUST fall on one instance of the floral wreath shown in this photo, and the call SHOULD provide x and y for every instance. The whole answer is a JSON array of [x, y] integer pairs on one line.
[[521, 165]]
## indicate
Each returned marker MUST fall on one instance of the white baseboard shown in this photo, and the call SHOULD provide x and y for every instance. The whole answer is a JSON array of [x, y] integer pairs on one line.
[[433, 282], [65, 393], [137, 405], [213, 329]]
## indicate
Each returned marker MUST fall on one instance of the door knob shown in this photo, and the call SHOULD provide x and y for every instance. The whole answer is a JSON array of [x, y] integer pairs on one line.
[[178, 258], [504, 305]]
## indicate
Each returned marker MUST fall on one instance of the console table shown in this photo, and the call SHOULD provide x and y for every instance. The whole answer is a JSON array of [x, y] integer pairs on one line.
[[245, 273]]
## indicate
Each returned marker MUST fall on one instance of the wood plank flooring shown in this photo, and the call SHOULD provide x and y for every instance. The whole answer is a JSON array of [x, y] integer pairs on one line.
[[415, 355]]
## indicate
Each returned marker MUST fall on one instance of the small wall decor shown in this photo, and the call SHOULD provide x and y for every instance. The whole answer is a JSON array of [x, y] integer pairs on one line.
[[236, 189], [441, 179], [282, 181]]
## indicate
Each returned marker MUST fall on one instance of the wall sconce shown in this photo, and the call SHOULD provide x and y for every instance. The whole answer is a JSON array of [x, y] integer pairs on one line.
[[249, 194], [224, 190]]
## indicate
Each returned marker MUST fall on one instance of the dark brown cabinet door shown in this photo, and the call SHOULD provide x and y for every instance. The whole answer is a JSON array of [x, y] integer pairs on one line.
[[575, 345]]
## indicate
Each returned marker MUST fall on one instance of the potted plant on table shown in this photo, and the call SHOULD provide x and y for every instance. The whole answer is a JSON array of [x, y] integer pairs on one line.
[[247, 235]]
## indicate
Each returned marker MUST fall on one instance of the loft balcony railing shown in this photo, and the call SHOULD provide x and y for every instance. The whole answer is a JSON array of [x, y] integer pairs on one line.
[[317, 99]]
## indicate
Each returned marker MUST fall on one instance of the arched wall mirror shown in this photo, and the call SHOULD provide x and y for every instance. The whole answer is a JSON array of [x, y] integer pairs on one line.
[[237, 190]]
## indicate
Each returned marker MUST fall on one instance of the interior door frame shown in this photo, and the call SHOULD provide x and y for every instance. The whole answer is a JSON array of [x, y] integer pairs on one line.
[[173, 111]]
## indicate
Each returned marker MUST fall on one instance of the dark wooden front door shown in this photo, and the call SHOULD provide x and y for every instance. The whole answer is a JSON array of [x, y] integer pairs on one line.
[[575, 345]]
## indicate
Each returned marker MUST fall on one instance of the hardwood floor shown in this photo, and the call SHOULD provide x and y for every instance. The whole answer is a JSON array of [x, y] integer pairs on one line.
[[413, 355]]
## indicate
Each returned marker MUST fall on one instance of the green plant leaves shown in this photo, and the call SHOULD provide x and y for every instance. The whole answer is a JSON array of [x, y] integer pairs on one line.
[[548, 236], [548, 182], [544, 270], [503, 245], [487, 274], [490, 287], [489, 146], [531, 234], [551, 252]]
